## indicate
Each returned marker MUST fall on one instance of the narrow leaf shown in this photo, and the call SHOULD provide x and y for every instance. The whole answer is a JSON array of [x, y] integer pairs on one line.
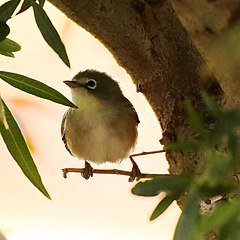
[[162, 206], [212, 106], [16, 145], [222, 215], [4, 30], [171, 184], [184, 145], [34, 87], [49, 33], [7, 54], [41, 3], [8, 45], [196, 119], [228, 123], [25, 6], [7, 9], [2, 114], [232, 227], [189, 218]]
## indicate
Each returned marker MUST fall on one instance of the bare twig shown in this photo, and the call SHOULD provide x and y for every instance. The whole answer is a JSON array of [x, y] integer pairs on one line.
[[109, 171], [147, 153]]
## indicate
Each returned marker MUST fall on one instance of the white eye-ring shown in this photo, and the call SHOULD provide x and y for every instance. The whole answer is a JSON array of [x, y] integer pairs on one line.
[[91, 84]]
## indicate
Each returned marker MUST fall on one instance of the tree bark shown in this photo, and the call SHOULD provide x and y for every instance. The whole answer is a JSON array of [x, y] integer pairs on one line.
[[213, 26]]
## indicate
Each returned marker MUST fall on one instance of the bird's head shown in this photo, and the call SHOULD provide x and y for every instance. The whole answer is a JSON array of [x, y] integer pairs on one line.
[[92, 86]]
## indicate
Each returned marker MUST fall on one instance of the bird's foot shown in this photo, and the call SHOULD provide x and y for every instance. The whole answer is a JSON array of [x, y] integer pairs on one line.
[[87, 171], [136, 173]]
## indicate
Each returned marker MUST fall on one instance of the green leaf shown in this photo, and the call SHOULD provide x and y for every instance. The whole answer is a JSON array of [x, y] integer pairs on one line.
[[2, 113], [7, 9], [7, 54], [34, 87], [212, 106], [8, 45], [189, 219], [228, 123], [49, 33], [4, 30], [171, 184], [162, 206], [25, 6], [222, 215], [184, 145], [16, 145], [232, 227], [41, 3], [196, 119], [233, 145]]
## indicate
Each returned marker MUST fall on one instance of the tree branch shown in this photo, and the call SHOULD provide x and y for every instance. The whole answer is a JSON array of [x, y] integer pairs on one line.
[[116, 171], [147, 153], [109, 171]]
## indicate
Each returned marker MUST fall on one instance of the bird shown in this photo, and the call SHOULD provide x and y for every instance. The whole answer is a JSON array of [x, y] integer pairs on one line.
[[103, 126]]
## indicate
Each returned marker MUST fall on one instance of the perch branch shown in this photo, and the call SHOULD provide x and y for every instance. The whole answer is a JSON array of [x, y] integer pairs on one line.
[[109, 171], [116, 171]]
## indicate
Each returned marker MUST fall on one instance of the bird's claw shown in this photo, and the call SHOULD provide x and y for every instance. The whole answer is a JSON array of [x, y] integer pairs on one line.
[[136, 173], [87, 171]]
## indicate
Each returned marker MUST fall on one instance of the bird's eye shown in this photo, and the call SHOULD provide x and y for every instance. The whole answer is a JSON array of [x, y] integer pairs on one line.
[[91, 84]]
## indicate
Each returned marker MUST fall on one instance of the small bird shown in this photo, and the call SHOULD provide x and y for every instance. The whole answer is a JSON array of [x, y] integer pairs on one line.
[[103, 127]]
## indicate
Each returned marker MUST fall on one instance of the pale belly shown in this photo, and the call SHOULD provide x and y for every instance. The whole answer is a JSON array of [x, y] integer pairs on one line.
[[100, 140]]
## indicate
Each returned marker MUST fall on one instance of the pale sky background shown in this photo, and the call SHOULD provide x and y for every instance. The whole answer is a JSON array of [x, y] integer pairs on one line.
[[102, 207]]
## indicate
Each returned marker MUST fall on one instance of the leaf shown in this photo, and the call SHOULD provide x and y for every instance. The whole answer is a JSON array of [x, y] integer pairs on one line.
[[4, 30], [41, 3], [212, 106], [7, 9], [16, 145], [233, 230], [228, 123], [184, 145], [221, 215], [7, 54], [196, 119], [49, 33], [8, 45], [224, 216], [2, 114], [189, 218], [162, 206], [35, 87], [233, 144], [171, 184], [25, 6]]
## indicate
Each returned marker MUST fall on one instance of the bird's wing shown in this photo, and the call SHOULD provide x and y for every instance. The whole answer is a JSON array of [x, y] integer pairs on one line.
[[133, 110], [63, 131]]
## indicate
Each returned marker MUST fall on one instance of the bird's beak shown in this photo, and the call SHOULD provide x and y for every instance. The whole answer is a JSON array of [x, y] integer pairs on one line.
[[72, 84]]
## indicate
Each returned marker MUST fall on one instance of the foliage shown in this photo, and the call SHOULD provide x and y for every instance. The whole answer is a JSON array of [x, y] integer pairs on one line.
[[16, 145], [219, 145], [34, 87], [9, 129]]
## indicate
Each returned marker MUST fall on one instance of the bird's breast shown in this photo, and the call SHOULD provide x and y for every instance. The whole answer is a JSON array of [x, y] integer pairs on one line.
[[100, 135]]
